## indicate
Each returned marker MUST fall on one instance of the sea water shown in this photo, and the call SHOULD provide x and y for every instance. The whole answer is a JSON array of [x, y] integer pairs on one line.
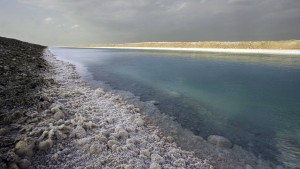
[[254, 100]]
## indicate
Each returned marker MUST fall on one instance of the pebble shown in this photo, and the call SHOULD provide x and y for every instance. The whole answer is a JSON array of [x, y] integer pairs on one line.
[[24, 148], [79, 132], [45, 145], [110, 143], [155, 166], [139, 122]]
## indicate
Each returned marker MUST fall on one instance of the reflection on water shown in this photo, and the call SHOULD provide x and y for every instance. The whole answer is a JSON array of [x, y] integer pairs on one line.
[[254, 100]]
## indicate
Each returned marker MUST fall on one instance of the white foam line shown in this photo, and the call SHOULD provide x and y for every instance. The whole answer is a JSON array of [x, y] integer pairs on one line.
[[254, 51]]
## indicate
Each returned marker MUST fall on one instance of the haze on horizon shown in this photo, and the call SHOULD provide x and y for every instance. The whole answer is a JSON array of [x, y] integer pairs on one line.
[[79, 22]]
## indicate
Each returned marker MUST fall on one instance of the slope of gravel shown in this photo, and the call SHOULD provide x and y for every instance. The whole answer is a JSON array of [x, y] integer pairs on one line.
[[20, 66]]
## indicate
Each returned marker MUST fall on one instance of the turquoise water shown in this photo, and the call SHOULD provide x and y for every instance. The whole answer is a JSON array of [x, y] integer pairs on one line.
[[254, 100]]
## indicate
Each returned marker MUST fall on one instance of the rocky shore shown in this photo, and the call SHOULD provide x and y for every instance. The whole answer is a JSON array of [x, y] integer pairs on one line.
[[67, 124], [73, 126]]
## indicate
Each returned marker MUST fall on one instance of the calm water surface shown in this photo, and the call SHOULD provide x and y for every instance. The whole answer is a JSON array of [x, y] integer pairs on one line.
[[254, 100]]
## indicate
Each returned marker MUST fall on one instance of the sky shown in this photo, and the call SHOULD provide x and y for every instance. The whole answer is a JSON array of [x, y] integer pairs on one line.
[[82, 22]]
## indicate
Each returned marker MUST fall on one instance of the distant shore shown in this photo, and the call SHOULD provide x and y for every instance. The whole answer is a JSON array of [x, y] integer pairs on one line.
[[249, 51]]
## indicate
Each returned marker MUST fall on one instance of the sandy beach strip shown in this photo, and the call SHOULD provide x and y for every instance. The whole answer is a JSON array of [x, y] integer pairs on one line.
[[216, 50]]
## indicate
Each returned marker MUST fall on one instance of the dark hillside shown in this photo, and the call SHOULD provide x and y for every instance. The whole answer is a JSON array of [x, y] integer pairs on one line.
[[20, 66]]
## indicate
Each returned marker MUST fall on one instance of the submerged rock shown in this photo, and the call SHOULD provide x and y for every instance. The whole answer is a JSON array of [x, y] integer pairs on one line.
[[219, 141]]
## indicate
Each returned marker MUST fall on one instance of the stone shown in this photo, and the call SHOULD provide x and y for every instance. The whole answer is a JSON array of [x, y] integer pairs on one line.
[[157, 158], [58, 115], [145, 152], [79, 132], [45, 145], [127, 167], [56, 109], [99, 92], [219, 141], [155, 166], [110, 143], [24, 148], [179, 162], [24, 164], [122, 133], [139, 122]]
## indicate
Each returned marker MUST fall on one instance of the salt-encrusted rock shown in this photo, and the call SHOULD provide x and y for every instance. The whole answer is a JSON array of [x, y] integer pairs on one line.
[[89, 125], [110, 143], [79, 119], [24, 163], [122, 133], [219, 141], [79, 132], [67, 122], [45, 145], [179, 162], [114, 147], [157, 159], [60, 122], [61, 127], [130, 141], [60, 135], [145, 152], [24, 147], [136, 110], [58, 115], [101, 138], [130, 146], [154, 165], [139, 122], [99, 92], [127, 167], [56, 108], [44, 134], [55, 157], [170, 139], [96, 148]]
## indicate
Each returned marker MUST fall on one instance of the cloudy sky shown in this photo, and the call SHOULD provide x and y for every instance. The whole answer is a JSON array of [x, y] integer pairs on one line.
[[73, 22]]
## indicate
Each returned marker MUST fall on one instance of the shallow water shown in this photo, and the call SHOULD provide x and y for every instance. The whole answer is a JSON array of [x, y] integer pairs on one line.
[[254, 100]]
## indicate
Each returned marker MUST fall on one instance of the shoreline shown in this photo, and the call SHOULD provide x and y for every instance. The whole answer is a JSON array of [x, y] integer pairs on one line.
[[76, 126], [233, 157], [99, 129], [214, 50]]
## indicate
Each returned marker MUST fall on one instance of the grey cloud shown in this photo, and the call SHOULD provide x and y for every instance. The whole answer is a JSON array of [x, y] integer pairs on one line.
[[115, 21]]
